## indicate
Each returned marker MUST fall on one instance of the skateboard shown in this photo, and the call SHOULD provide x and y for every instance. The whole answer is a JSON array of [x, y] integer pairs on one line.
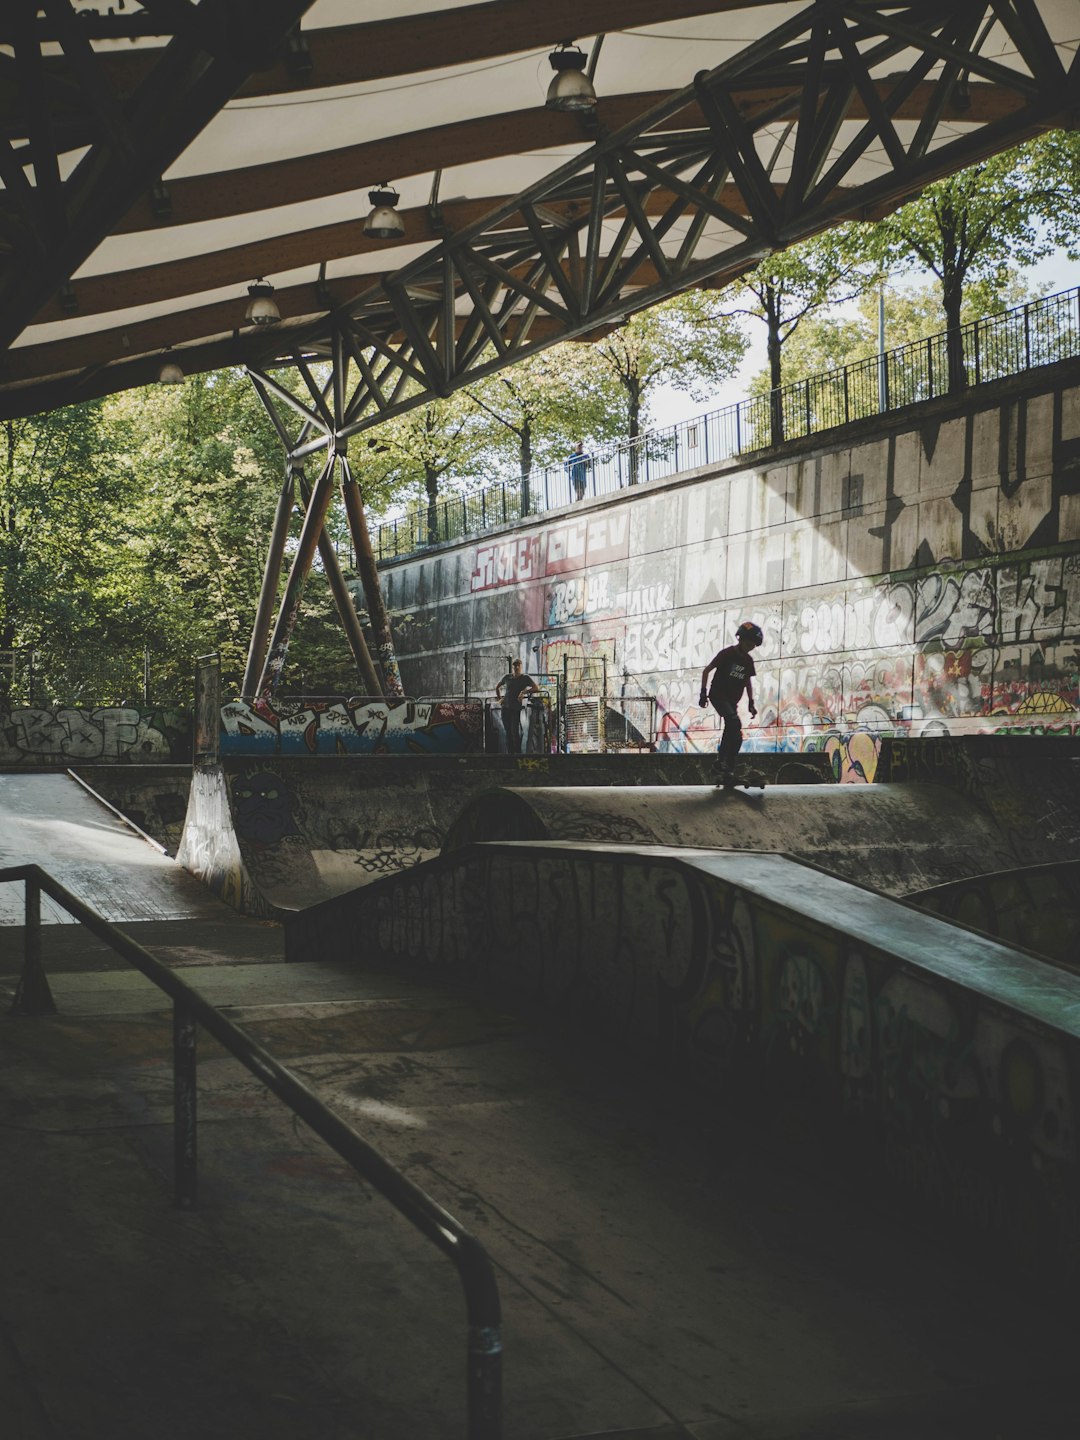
[[745, 779]]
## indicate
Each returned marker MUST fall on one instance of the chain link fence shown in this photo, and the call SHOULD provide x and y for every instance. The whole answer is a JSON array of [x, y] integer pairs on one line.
[[41, 676]]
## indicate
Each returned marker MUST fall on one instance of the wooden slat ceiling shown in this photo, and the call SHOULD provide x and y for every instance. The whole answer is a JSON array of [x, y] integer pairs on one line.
[[240, 163]]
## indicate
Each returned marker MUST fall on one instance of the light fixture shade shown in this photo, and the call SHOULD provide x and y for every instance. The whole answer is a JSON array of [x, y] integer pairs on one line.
[[384, 223], [262, 308], [570, 88], [170, 374]]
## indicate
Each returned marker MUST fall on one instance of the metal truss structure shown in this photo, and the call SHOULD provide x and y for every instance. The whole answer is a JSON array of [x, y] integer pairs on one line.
[[51, 221], [740, 163]]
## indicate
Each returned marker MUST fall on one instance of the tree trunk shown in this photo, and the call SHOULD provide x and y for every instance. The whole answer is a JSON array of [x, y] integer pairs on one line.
[[633, 428], [526, 464], [774, 349], [431, 485], [952, 299]]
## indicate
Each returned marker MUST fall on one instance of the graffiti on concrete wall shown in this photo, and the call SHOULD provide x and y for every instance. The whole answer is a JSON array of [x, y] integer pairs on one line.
[[923, 584], [972, 1106], [110, 734], [351, 727]]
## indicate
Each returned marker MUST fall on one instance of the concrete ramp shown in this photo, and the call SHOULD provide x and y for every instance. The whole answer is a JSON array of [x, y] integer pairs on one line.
[[51, 820], [1036, 906], [937, 1065], [892, 838], [273, 836]]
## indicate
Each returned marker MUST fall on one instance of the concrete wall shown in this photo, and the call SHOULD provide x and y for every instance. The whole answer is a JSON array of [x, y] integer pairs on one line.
[[920, 577], [111, 734], [895, 1045]]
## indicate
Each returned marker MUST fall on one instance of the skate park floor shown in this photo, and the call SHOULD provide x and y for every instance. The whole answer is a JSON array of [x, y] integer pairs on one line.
[[663, 1276]]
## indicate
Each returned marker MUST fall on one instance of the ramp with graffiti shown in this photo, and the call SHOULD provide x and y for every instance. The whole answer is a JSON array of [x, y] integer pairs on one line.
[[893, 839], [271, 835], [906, 1053]]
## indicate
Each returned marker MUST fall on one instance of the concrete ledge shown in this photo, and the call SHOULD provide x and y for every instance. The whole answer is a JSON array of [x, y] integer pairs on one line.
[[925, 1057]]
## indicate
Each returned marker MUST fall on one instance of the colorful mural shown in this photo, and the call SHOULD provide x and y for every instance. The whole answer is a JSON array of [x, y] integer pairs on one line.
[[351, 727], [919, 582]]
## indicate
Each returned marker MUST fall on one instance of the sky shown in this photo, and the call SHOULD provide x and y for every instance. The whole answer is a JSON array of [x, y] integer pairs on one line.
[[672, 406]]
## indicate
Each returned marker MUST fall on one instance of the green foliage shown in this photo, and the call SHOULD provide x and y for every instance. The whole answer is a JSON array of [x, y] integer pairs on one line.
[[60, 488], [531, 413], [793, 285], [979, 225], [407, 458], [689, 343], [209, 468]]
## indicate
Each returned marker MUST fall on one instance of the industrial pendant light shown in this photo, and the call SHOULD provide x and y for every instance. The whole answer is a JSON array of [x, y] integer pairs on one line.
[[262, 308], [170, 373], [384, 223], [570, 88]]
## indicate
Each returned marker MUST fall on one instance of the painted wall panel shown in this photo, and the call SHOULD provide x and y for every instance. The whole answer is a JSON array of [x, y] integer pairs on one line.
[[906, 561]]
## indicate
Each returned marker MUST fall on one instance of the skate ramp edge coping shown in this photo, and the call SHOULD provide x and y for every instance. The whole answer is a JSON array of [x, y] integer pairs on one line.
[[934, 1060]]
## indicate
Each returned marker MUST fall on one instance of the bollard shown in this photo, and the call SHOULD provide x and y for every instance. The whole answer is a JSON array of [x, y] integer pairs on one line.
[[32, 994]]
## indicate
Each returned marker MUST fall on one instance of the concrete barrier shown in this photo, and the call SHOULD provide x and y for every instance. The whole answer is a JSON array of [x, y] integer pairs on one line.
[[271, 836], [1037, 908], [893, 838], [902, 1051]]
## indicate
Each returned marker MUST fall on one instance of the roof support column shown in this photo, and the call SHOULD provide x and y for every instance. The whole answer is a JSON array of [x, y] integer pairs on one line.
[[268, 594], [344, 602], [369, 578], [318, 505]]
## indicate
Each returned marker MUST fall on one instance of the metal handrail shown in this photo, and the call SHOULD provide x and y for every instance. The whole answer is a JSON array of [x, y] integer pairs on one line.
[[190, 1009]]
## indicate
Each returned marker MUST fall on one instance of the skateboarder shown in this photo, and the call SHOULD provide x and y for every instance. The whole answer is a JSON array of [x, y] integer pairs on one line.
[[508, 692], [734, 673]]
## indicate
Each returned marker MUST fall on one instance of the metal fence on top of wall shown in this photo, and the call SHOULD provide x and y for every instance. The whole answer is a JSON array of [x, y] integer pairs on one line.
[[1042, 332], [44, 677]]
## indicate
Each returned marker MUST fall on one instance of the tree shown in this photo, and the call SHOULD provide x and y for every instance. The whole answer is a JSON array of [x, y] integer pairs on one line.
[[794, 284], [538, 407], [411, 454], [689, 342], [61, 491], [828, 341], [207, 467], [984, 222]]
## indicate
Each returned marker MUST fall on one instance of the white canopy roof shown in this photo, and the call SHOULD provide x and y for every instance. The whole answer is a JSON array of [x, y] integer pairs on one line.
[[236, 172]]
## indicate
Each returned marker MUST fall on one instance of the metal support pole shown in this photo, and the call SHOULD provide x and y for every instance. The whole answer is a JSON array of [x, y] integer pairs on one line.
[[369, 579], [294, 588], [268, 594], [185, 1098], [346, 609], [146, 676], [566, 704], [32, 993], [484, 1382]]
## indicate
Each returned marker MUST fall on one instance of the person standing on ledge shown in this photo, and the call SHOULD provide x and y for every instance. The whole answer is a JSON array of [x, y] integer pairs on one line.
[[735, 673], [509, 692], [578, 466]]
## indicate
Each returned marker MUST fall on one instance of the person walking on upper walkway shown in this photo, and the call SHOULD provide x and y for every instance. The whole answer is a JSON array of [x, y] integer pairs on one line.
[[577, 466], [735, 673]]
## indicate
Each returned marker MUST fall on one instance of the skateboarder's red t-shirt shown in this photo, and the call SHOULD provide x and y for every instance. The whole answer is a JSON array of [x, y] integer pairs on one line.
[[734, 667]]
